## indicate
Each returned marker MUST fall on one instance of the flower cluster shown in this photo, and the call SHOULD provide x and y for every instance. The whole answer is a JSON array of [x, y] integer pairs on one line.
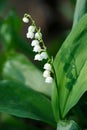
[[38, 47], [47, 73]]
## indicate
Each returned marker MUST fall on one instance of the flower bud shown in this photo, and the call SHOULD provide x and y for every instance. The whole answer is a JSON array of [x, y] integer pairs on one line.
[[25, 20], [38, 36], [37, 48], [38, 57], [44, 55], [46, 74], [35, 42], [49, 80], [47, 66], [30, 35], [31, 28]]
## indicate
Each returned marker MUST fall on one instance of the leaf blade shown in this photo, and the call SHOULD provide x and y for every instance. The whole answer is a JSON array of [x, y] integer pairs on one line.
[[72, 52], [18, 100], [80, 10], [18, 68]]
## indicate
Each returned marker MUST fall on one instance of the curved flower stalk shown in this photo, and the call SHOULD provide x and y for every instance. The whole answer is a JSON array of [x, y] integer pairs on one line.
[[39, 47]]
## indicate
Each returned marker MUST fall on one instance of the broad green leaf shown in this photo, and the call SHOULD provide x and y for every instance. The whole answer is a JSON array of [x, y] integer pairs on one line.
[[67, 125], [78, 89], [20, 69], [80, 10], [18, 100], [70, 66]]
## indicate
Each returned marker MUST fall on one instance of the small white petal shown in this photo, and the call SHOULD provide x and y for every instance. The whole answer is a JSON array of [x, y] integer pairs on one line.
[[46, 74], [49, 80], [38, 36], [38, 57], [31, 28], [25, 20], [35, 42], [30, 35], [44, 55], [47, 66], [37, 48]]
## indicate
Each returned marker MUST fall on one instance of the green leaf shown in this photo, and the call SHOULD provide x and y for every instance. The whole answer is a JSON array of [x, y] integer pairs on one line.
[[67, 125], [18, 100], [78, 89], [71, 67], [80, 10], [20, 69]]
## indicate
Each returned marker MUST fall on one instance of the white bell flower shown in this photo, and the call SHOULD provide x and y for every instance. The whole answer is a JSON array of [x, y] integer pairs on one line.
[[35, 42], [44, 55], [47, 66], [30, 35], [38, 57], [49, 80], [31, 28], [37, 48], [46, 74], [38, 35], [25, 20]]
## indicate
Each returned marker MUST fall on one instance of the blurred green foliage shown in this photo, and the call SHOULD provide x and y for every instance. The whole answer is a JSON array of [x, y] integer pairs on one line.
[[3, 4], [10, 34]]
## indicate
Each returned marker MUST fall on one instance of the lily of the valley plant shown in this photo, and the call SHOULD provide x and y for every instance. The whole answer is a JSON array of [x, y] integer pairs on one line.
[[56, 94]]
